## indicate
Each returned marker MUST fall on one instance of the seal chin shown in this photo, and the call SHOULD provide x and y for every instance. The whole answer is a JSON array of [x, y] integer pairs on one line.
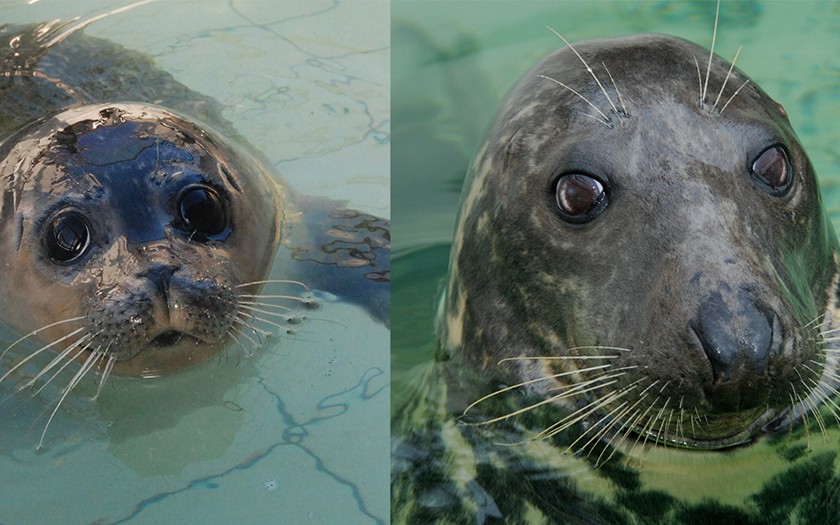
[[170, 350]]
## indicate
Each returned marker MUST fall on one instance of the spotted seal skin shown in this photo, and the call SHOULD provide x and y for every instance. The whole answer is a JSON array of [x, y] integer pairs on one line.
[[138, 221], [139, 227], [641, 303]]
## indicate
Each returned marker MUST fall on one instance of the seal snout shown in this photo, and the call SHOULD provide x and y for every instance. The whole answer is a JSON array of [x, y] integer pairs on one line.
[[738, 337]]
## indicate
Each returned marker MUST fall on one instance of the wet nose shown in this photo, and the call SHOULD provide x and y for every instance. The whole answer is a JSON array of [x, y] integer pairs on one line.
[[737, 336]]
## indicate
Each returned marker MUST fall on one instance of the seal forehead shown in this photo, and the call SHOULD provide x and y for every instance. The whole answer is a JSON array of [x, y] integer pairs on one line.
[[598, 80], [134, 157]]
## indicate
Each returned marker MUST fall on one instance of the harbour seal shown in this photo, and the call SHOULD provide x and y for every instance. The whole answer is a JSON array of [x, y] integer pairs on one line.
[[140, 227], [641, 304]]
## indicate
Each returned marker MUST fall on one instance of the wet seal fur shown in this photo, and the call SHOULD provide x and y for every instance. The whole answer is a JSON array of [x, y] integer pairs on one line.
[[642, 274], [139, 227]]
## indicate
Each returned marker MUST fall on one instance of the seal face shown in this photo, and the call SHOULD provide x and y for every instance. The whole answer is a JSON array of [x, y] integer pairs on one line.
[[643, 254], [140, 231]]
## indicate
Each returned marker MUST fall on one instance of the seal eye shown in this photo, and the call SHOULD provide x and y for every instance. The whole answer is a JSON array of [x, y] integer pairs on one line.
[[580, 198], [67, 237], [772, 168], [203, 211]]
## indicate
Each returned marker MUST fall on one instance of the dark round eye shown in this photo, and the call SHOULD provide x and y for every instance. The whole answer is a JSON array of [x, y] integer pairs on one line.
[[772, 169], [203, 211], [580, 198], [67, 237]]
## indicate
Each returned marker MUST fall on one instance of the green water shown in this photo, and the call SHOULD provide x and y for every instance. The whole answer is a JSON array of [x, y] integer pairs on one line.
[[453, 63]]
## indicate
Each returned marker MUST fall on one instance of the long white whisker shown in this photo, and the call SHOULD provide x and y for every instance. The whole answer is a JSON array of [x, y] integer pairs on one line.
[[588, 69], [39, 351], [88, 364], [711, 53], [728, 74], [39, 330], [606, 119], [273, 281], [533, 381], [733, 94]]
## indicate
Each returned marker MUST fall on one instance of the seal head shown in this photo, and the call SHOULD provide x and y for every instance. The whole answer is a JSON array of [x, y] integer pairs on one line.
[[643, 253], [127, 235]]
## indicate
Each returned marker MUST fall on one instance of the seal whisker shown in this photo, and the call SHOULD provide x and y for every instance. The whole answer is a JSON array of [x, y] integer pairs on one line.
[[287, 297], [258, 332], [605, 117], [58, 359], [640, 430], [631, 424], [247, 309], [39, 330], [267, 321], [796, 400], [588, 70], [601, 377], [603, 430], [649, 429], [531, 382], [596, 405], [273, 281], [578, 389], [617, 420], [617, 92], [38, 352], [250, 304], [598, 347], [88, 364], [579, 414], [726, 79], [660, 435], [699, 77], [733, 95], [557, 358], [711, 54], [642, 433], [110, 360], [822, 391], [84, 23], [818, 319], [234, 335]]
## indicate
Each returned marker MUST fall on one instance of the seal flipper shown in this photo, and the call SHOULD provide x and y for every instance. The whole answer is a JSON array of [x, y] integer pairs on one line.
[[351, 252]]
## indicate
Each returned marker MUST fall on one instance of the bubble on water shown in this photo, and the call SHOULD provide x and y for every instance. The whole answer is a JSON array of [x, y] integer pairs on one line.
[[271, 484]]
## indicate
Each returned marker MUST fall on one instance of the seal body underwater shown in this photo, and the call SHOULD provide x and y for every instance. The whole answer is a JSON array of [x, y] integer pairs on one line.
[[139, 227], [641, 305]]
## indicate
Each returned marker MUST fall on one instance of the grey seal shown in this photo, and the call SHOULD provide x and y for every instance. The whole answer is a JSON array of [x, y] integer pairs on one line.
[[658, 237], [639, 320]]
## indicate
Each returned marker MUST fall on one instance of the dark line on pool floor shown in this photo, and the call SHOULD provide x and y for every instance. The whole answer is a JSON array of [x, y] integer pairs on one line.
[[293, 435]]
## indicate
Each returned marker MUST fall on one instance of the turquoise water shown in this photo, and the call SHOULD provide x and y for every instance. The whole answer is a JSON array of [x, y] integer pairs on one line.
[[298, 433], [453, 63]]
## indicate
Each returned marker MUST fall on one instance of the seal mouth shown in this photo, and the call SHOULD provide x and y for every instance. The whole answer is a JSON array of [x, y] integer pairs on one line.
[[168, 338]]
